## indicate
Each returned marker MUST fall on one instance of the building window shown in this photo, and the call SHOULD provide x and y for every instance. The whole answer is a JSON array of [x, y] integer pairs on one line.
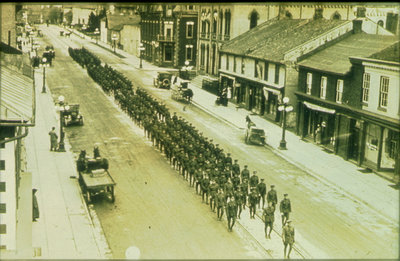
[[221, 18], [168, 53], [3, 229], [3, 208], [227, 62], [2, 186], [253, 19], [189, 52], [242, 66], [383, 92], [227, 22], [189, 29], [190, 7], [266, 65], [234, 63], [309, 83], [202, 55], [2, 165], [366, 83], [339, 91], [276, 74], [324, 81], [257, 70]]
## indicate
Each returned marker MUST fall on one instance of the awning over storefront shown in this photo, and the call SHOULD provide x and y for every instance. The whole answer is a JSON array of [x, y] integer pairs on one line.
[[274, 91], [318, 108]]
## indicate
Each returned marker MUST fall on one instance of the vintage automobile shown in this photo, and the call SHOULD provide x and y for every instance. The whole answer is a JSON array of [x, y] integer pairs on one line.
[[163, 80], [180, 90], [94, 177], [72, 116], [254, 135]]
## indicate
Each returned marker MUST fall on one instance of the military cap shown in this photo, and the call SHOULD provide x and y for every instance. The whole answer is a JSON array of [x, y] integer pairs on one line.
[[285, 194], [262, 179], [272, 186], [245, 166]]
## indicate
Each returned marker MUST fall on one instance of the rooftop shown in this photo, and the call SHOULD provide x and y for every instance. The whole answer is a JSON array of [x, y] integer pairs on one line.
[[335, 58], [273, 38], [390, 53], [16, 96]]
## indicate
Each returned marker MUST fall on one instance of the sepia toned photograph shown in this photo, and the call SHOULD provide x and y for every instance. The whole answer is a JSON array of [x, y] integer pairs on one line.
[[183, 130]]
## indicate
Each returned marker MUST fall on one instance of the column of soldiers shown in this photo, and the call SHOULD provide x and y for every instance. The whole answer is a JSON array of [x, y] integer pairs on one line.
[[207, 168]]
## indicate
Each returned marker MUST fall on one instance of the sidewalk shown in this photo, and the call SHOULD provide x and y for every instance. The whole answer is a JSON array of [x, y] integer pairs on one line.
[[65, 229]]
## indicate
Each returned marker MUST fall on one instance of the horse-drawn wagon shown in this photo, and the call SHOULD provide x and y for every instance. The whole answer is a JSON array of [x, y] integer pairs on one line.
[[180, 90]]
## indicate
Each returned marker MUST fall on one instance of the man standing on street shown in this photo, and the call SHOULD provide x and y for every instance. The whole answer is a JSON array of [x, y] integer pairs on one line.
[[285, 208], [288, 237], [269, 219], [53, 139], [272, 197]]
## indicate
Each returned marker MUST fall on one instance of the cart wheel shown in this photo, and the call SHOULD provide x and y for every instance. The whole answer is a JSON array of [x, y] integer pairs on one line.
[[88, 196], [112, 194]]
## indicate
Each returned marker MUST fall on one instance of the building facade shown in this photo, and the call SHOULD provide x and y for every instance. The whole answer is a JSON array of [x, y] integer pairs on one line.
[[169, 34], [330, 108], [8, 26]]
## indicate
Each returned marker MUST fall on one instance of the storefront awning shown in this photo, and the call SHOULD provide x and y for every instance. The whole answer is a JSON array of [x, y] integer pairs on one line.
[[274, 91], [318, 108]]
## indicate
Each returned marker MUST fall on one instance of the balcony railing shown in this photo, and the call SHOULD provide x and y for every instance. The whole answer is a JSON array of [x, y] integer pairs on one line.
[[165, 38]]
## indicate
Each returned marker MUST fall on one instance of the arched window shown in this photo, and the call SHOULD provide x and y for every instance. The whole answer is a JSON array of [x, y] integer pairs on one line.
[[380, 23], [336, 16], [254, 19]]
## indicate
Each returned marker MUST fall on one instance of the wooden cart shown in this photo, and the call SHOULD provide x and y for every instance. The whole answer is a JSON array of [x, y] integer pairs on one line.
[[96, 182]]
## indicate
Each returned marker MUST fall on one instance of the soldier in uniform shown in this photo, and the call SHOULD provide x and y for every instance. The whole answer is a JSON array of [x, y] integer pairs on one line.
[[285, 208], [272, 197], [245, 173], [244, 187], [236, 168], [205, 184], [253, 182], [198, 177], [213, 194], [288, 237], [269, 218], [238, 194], [231, 212], [253, 199], [220, 204], [262, 190]]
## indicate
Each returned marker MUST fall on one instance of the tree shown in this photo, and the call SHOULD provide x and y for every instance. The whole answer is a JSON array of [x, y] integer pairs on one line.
[[68, 17], [54, 15], [92, 23]]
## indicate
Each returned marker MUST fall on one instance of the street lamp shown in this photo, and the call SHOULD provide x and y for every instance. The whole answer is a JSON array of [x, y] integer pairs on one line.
[[97, 33], [141, 49], [62, 108], [44, 65], [284, 107], [114, 38]]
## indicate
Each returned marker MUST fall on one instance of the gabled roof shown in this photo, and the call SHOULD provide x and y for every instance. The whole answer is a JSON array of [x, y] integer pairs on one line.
[[116, 22], [390, 53], [335, 58], [16, 96], [273, 38]]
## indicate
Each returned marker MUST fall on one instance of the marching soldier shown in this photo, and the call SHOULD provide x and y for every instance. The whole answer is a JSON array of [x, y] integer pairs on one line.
[[253, 199], [253, 180], [245, 173], [269, 219], [220, 204], [239, 201], [244, 187], [262, 190], [231, 212], [236, 168], [213, 194], [288, 237], [272, 197], [205, 184], [285, 208]]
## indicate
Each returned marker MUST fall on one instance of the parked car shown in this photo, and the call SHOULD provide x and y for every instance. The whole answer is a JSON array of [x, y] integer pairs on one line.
[[163, 80]]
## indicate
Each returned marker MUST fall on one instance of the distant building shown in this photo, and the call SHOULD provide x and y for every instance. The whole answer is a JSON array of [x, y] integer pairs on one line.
[[169, 34], [8, 24]]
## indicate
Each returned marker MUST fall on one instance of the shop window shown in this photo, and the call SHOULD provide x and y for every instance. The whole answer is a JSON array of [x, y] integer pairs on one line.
[[366, 84], [276, 74], [189, 52], [324, 81], [168, 53], [309, 83], [266, 65], [339, 91], [383, 92], [189, 29]]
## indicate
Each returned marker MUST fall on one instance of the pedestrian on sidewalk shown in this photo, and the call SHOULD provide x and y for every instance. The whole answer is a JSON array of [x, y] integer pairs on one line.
[[35, 206], [317, 134], [53, 139], [285, 208], [272, 197], [269, 218], [288, 238]]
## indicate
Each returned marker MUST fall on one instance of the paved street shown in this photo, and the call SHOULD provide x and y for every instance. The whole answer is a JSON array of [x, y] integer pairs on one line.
[[155, 209]]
